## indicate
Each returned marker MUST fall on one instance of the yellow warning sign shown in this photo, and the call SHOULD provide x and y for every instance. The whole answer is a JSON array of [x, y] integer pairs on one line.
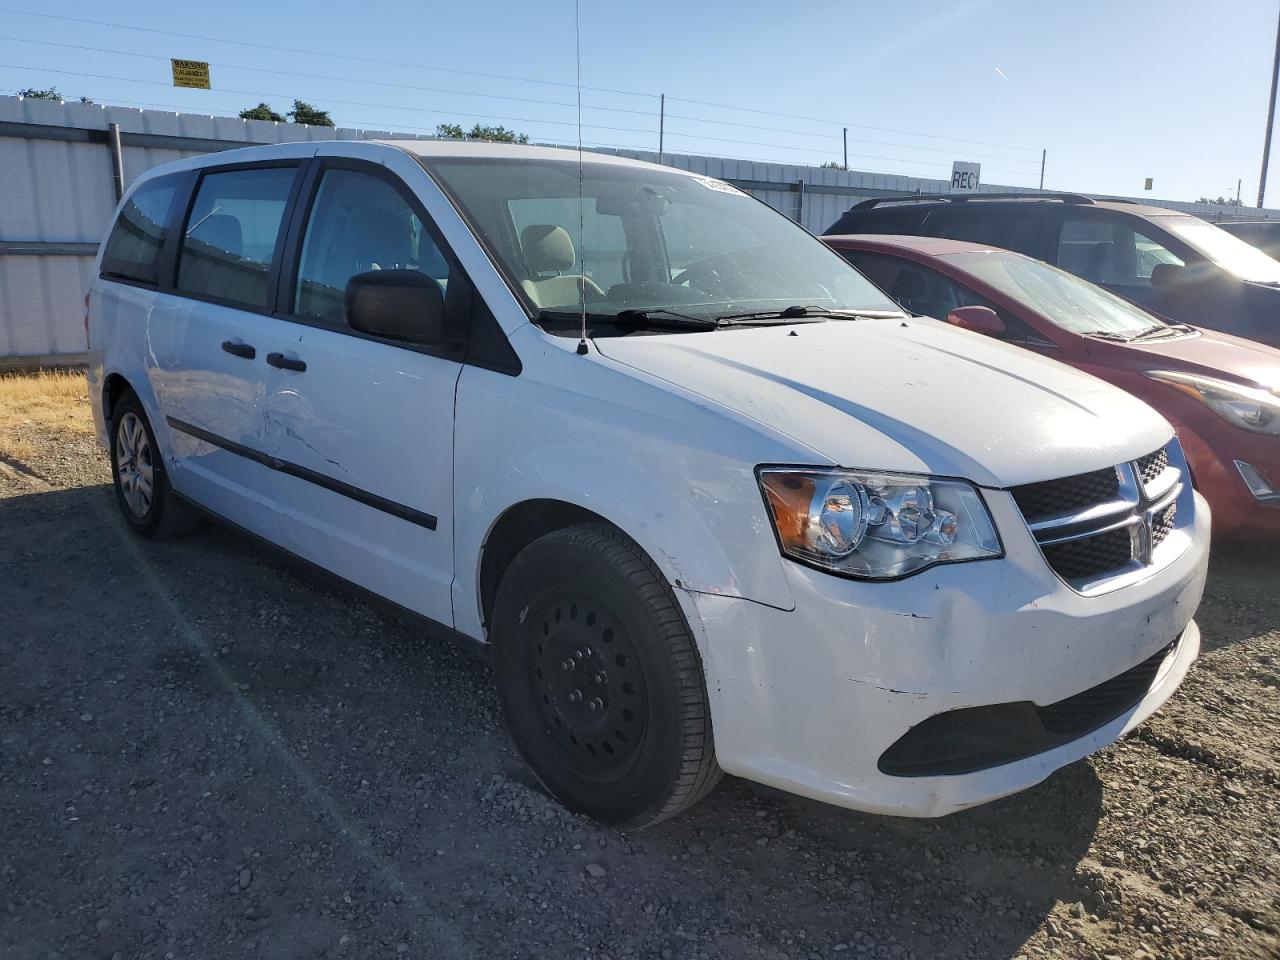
[[190, 73]]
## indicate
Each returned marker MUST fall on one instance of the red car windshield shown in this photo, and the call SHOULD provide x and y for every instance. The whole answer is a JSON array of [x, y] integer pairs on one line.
[[1062, 298]]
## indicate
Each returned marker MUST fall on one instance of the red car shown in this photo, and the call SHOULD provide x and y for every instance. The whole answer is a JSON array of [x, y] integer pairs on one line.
[[1221, 393]]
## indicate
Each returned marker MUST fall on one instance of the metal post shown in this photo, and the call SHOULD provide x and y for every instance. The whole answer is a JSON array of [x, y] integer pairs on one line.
[[800, 202], [1271, 116], [846, 148], [1043, 154], [662, 122], [117, 157]]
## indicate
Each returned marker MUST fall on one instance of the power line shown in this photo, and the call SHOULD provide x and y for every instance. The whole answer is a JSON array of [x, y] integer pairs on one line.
[[541, 101], [845, 123], [505, 77], [328, 54]]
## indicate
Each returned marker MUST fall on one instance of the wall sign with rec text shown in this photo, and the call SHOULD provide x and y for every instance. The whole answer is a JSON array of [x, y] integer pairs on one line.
[[965, 177]]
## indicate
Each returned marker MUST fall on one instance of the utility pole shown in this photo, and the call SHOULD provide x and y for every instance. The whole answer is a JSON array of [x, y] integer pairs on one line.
[[1239, 184], [846, 148], [1043, 153], [1271, 116], [662, 122]]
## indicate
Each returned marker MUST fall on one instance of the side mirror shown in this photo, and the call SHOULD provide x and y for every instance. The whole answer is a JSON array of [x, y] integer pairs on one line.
[[978, 319], [1165, 276], [397, 304]]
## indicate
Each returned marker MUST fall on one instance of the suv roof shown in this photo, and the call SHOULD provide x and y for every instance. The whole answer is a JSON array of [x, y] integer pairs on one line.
[[1073, 199]]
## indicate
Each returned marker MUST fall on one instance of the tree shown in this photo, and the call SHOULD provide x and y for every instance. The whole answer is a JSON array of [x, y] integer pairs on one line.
[[1223, 201], [832, 165], [454, 131], [31, 93], [261, 112], [304, 112]]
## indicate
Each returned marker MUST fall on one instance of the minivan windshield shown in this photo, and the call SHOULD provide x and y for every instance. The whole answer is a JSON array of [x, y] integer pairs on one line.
[[1232, 254], [645, 242], [1062, 298]]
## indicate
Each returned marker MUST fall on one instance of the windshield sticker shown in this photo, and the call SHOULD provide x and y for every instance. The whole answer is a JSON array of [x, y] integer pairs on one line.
[[719, 186]]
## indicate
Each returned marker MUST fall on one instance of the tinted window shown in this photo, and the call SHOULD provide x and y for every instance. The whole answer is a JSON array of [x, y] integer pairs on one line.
[[359, 223], [231, 233], [133, 249], [1109, 251]]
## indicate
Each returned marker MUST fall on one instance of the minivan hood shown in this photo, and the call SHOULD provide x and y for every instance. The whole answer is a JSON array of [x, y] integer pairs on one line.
[[1215, 354], [914, 396]]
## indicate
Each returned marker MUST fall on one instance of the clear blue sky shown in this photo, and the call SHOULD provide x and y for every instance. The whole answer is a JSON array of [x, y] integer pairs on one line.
[[1116, 91]]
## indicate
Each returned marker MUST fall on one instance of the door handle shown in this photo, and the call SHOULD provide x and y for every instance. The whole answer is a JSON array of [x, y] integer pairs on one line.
[[286, 363], [239, 349]]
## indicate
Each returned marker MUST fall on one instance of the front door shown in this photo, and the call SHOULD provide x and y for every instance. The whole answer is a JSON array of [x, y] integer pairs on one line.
[[362, 427]]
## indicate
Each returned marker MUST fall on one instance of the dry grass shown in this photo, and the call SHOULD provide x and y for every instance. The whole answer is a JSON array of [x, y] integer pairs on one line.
[[33, 405]]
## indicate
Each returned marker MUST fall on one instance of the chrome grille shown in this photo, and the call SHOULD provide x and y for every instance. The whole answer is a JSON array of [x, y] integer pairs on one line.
[[1095, 527], [1162, 524], [1052, 497], [1152, 466]]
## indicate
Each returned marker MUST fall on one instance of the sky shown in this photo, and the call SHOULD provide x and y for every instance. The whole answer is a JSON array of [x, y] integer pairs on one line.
[[1114, 91]]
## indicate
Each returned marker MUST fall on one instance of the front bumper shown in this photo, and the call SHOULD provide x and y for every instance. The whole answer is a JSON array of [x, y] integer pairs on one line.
[[809, 700]]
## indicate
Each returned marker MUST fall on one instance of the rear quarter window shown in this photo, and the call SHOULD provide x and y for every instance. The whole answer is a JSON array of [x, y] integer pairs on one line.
[[138, 235]]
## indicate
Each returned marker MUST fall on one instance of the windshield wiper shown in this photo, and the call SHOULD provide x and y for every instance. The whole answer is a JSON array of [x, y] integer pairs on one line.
[[803, 314], [1150, 332], [656, 317], [1106, 335]]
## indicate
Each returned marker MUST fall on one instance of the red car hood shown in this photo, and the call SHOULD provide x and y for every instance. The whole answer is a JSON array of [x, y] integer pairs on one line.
[[1218, 354]]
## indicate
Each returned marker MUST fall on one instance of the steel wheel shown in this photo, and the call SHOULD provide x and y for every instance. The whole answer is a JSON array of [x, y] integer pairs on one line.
[[586, 676], [135, 468]]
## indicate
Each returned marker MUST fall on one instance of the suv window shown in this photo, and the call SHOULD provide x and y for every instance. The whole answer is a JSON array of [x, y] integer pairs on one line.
[[1109, 251], [927, 292], [133, 248], [231, 233], [359, 222]]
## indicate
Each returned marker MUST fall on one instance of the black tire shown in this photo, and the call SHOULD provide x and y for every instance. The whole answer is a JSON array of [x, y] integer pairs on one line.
[[152, 510], [584, 611]]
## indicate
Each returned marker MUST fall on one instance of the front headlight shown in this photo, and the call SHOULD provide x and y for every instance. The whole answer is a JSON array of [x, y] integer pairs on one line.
[[1247, 407], [876, 526]]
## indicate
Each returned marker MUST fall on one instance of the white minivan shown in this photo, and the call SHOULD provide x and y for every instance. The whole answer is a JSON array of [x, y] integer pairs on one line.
[[707, 497]]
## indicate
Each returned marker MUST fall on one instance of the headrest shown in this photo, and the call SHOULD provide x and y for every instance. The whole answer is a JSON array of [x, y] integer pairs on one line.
[[546, 248], [910, 285], [221, 231]]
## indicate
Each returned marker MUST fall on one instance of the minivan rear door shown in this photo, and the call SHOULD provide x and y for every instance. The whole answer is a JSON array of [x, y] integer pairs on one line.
[[362, 426], [207, 338]]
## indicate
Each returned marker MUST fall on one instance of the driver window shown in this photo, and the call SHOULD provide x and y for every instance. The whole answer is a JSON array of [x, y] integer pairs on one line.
[[358, 223], [1109, 252]]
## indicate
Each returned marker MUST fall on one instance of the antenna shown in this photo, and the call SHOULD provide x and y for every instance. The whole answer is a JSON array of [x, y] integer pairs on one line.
[[582, 287]]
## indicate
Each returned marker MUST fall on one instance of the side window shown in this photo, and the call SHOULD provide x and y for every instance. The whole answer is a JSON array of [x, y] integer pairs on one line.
[[359, 223], [1108, 251], [231, 233], [926, 292], [133, 248]]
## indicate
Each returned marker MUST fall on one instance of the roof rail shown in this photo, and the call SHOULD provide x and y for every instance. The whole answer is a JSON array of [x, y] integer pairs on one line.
[[1074, 198]]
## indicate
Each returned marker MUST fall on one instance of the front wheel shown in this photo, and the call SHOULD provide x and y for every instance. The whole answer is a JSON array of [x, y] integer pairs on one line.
[[600, 679]]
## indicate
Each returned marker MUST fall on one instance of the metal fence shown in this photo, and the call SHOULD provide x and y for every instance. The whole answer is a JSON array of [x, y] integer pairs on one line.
[[63, 167]]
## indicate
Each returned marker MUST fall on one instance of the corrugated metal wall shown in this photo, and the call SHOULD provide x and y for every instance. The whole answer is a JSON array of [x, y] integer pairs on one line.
[[60, 194]]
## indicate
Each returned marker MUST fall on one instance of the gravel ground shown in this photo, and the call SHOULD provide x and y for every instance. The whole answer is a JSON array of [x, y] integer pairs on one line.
[[205, 752]]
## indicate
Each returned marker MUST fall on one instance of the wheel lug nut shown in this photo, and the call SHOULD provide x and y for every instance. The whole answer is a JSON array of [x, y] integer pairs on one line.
[[595, 704], [575, 696], [566, 665], [598, 678]]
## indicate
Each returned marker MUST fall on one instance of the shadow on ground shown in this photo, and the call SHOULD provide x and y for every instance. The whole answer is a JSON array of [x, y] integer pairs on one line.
[[204, 748]]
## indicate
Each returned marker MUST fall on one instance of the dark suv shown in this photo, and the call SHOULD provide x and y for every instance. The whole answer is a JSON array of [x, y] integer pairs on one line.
[[1171, 263]]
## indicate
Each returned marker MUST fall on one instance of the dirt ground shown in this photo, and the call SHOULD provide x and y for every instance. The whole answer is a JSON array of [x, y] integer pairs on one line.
[[206, 753]]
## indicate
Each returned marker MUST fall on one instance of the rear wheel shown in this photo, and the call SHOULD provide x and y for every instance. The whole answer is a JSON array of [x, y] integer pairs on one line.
[[143, 493], [600, 679]]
